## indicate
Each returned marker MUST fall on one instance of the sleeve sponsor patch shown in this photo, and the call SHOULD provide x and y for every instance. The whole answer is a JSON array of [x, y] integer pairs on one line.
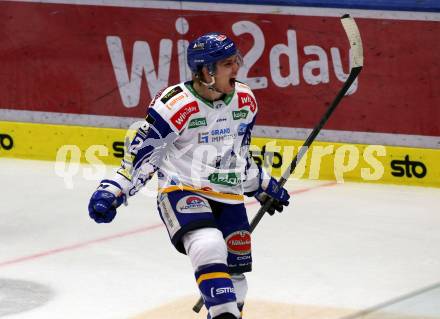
[[181, 116], [170, 94], [245, 99], [150, 119], [175, 100]]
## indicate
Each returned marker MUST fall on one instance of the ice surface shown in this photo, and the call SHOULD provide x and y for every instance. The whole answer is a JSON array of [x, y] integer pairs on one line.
[[338, 249]]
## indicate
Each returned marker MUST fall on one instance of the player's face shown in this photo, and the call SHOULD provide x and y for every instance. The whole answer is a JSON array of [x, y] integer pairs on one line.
[[226, 73]]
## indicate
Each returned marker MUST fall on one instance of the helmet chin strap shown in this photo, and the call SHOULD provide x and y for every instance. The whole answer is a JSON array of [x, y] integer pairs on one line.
[[211, 85]]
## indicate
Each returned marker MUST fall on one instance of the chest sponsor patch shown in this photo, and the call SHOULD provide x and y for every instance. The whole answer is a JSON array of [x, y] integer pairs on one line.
[[239, 242], [194, 123], [240, 115], [221, 131], [227, 179], [193, 204], [181, 116], [245, 99], [203, 137], [170, 94]]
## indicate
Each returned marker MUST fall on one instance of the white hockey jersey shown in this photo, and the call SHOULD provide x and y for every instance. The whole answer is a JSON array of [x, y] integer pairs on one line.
[[195, 145]]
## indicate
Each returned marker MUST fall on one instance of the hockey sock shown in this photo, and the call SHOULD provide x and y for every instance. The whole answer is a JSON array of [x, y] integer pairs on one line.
[[217, 290]]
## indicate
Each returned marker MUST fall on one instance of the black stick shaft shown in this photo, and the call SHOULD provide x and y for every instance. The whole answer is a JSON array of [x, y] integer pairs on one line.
[[302, 151]]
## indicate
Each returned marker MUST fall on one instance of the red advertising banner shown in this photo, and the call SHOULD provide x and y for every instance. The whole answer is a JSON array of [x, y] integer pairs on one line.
[[104, 60]]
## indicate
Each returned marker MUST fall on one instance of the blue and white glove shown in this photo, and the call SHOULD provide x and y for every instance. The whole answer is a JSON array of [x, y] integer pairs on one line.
[[105, 200], [270, 187]]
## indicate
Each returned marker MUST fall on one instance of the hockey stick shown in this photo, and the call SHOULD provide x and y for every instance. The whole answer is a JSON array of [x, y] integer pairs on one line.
[[357, 62]]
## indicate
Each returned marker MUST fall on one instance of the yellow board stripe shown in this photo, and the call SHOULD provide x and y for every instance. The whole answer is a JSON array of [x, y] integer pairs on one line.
[[213, 275], [202, 191], [326, 161]]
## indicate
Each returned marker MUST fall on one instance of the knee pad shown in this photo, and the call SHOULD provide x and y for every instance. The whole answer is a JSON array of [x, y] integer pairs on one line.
[[205, 246]]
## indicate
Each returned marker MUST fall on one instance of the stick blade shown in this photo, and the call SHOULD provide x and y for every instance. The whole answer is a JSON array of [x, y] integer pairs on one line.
[[354, 36]]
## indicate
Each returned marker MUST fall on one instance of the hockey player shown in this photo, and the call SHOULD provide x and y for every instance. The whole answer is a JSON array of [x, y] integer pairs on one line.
[[196, 137]]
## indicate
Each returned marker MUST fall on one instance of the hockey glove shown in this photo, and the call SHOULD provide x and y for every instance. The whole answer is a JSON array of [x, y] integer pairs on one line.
[[105, 200], [273, 189]]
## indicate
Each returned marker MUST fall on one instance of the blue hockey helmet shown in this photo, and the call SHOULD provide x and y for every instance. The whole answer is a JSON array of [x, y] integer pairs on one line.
[[207, 49]]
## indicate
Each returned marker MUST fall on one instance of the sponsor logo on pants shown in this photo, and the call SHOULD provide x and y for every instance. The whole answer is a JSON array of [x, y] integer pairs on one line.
[[239, 242], [193, 204], [221, 291]]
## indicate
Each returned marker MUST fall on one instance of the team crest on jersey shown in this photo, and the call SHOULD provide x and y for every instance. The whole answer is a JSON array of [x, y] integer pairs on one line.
[[181, 117], [216, 105], [170, 94], [245, 99], [239, 242], [193, 204]]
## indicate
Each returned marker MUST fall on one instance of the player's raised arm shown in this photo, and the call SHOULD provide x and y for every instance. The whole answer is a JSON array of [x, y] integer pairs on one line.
[[143, 159]]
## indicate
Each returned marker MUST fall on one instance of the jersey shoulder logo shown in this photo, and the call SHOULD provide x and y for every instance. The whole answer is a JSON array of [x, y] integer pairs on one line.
[[245, 99], [180, 118], [180, 97], [153, 101], [173, 92]]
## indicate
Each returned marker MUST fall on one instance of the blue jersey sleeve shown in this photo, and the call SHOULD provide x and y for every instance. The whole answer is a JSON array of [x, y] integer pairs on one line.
[[146, 152]]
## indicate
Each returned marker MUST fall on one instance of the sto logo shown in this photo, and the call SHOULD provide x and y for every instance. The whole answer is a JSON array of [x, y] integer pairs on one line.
[[6, 142]]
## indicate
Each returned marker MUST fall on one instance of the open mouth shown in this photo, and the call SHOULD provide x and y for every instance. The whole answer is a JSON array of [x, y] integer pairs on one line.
[[232, 81]]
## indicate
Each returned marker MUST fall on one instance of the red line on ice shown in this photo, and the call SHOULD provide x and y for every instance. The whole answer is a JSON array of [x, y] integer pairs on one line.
[[124, 234], [78, 245], [299, 191]]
